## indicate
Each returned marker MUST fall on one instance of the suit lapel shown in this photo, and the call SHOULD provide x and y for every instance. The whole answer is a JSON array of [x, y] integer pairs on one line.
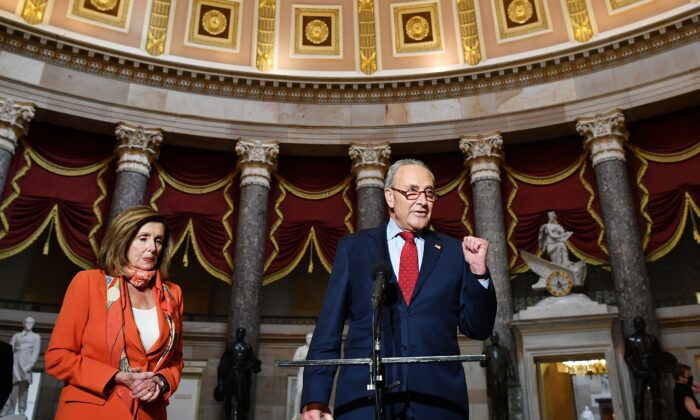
[[431, 253], [131, 331]]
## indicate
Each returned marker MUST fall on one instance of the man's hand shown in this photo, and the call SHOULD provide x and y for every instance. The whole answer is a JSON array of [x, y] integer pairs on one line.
[[315, 411], [475, 250]]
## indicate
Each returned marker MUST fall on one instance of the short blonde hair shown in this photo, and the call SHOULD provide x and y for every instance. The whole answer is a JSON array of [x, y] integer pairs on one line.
[[122, 231]]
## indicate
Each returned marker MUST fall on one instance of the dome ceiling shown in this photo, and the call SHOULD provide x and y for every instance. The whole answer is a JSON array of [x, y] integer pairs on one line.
[[330, 39]]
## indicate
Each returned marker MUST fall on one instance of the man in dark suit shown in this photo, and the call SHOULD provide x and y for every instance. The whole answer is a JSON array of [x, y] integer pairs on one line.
[[438, 287]]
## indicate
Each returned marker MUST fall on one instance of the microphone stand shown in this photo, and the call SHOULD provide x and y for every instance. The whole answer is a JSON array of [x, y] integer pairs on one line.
[[376, 367]]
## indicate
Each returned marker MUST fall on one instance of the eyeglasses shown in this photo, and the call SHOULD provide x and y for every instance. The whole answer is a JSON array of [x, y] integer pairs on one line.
[[430, 195]]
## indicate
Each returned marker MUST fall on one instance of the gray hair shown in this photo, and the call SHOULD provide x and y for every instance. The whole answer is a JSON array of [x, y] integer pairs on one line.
[[391, 173]]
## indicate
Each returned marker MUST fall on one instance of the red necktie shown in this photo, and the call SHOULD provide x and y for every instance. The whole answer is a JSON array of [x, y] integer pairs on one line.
[[408, 266]]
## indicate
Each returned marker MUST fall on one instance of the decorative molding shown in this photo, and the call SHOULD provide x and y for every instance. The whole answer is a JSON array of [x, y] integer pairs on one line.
[[110, 12], [14, 122], [590, 57], [158, 27], [604, 136], [265, 48], [619, 4], [34, 11], [370, 163], [214, 23], [368, 38], [469, 31], [317, 31], [416, 27], [580, 20], [483, 155], [520, 17], [137, 147], [256, 160]]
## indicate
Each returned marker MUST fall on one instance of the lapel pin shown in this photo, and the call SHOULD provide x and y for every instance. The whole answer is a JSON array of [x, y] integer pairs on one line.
[[438, 246]]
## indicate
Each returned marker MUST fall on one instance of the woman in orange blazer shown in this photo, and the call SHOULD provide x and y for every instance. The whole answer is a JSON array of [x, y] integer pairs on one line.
[[117, 342]]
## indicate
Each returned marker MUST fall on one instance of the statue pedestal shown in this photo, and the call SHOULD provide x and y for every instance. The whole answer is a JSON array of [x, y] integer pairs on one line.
[[571, 327]]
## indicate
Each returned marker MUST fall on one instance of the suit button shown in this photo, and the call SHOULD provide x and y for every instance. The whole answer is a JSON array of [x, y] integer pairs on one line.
[[404, 347]]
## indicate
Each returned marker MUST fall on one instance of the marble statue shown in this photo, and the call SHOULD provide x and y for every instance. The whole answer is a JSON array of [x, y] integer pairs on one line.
[[25, 346], [300, 354], [642, 353], [236, 367], [499, 371], [559, 268], [587, 414]]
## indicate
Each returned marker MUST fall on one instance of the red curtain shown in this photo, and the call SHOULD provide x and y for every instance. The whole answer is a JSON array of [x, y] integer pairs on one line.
[[198, 192]]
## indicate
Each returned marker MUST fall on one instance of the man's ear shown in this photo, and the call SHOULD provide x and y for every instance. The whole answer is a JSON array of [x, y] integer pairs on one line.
[[389, 197]]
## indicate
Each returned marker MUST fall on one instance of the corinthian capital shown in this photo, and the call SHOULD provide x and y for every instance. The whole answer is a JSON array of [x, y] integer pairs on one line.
[[257, 160], [137, 147], [483, 154], [604, 136], [14, 122], [369, 164]]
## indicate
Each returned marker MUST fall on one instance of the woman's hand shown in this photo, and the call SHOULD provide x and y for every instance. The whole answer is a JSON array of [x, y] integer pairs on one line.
[[146, 390], [129, 379]]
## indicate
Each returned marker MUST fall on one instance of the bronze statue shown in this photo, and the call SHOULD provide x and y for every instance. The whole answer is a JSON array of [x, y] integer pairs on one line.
[[499, 371], [642, 351], [235, 376]]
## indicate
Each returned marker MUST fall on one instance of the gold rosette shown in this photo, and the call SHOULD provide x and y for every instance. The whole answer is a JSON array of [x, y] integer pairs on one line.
[[316, 31], [104, 5], [214, 22], [520, 11], [417, 28]]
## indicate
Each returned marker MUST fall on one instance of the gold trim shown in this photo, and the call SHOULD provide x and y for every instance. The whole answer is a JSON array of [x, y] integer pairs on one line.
[[548, 180], [469, 31], [300, 31], [463, 197], [689, 208], [686, 154], [15, 192], [580, 20], [348, 205], [156, 195], [189, 234], [64, 170], [275, 226], [119, 20], [34, 10], [368, 39], [96, 210], [618, 4], [227, 227], [596, 217], [311, 195], [193, 189], [265, 48], [513, 219], [399, 11], [518, 29], [644, 201], [310, 241], [211, 38], [158, 27], [455, 183]]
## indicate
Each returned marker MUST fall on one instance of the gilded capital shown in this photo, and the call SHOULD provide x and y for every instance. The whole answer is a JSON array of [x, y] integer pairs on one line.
[[483, 155], [604, 136], [137, 147], [256, 159], [369, 164], [14, 122]]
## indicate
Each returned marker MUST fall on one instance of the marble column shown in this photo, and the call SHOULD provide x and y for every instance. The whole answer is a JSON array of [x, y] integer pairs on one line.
[[137, 148], [483, 156], [14, 123], [604, 137], [369, 164], [256, 161]]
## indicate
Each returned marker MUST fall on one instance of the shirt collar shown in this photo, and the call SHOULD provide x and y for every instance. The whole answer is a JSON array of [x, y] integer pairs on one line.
[[393, 230]]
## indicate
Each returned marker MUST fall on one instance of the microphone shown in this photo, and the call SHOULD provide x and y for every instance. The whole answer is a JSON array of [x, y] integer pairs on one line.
[[381, 272]]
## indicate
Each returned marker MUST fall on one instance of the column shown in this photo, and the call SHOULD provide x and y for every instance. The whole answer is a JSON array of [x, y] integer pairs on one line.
[[14, 123], [604, 137], [369, 164], [137, 148], [483, 156], [256, 161]]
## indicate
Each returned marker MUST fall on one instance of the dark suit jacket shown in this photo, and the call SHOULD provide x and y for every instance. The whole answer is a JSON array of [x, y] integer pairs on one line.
[[5, 372], [447, 297]]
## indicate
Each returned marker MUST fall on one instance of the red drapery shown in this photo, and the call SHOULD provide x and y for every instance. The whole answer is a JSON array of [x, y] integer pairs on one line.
[[197, 191]]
